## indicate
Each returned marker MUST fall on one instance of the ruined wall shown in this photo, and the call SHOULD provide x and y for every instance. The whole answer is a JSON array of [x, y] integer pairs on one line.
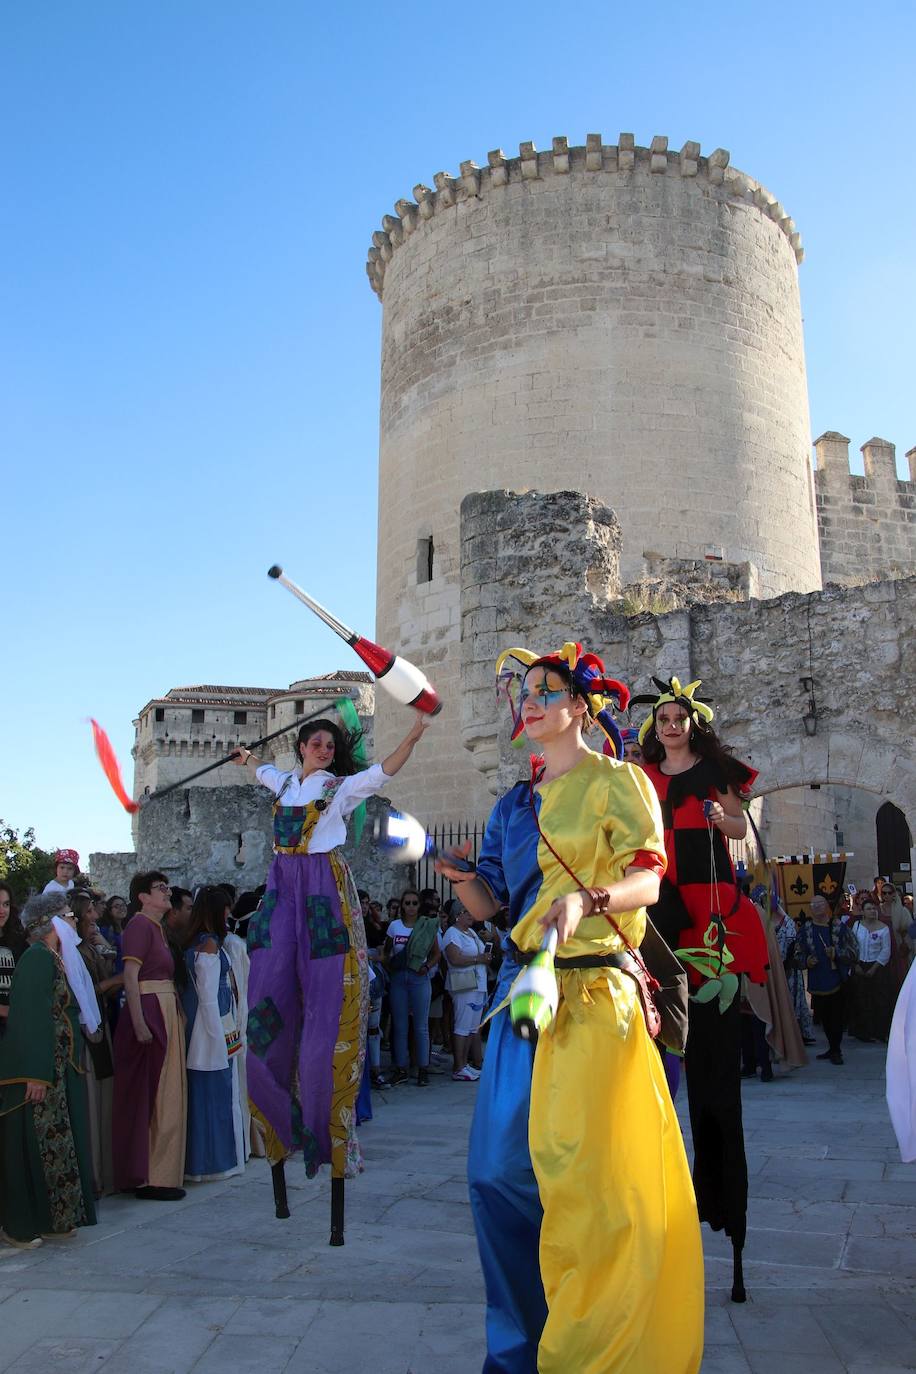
[[858, 645], [867, 524], [218, 829], [223, 834], [610, 318]]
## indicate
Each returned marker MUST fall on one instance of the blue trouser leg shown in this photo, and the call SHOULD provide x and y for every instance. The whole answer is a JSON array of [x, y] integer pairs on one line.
[[505, 1204], [419, 996], [397, 1000]]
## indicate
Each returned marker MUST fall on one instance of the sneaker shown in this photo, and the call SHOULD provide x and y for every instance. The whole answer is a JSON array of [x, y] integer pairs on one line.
[[837, 1058], [435, 1068], [825, 1055], [475, 1073], [398, 1076], [465, 1075]]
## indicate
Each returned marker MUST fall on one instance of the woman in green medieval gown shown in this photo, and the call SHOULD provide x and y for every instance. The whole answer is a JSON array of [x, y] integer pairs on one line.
[[45, 1156]]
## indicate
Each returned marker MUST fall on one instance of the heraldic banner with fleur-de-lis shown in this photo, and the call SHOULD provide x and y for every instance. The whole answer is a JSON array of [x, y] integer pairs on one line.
[[799, 882]]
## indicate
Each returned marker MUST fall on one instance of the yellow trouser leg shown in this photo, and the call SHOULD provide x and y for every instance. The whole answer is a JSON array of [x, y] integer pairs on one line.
[[620, 1252]]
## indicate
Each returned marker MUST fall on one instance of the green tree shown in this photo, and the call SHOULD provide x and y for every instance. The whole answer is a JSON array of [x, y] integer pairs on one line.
[[22, 864]]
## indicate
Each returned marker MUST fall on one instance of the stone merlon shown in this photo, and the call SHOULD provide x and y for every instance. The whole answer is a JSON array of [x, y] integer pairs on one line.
[[624, 157]]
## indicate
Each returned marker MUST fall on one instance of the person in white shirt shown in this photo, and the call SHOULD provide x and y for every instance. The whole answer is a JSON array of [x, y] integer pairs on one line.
[[66, 866], [467, 957], [871, 990], [308, 987]]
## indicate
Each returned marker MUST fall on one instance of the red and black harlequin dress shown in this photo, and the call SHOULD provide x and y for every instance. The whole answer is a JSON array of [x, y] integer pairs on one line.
[[699, 885]]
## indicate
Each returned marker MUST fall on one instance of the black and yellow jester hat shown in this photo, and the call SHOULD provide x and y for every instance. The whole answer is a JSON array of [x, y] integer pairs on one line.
[[672, 691], [588, 679]]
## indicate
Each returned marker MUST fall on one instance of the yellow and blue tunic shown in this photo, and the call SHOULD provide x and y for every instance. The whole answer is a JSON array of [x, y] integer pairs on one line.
[[585, 1212]]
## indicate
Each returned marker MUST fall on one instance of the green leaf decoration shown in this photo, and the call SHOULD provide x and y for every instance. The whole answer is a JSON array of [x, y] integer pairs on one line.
[[727, 994], [707, 992]]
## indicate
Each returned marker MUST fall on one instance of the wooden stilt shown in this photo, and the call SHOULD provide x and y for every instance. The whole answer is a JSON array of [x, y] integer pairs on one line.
[[337, 1211], [278, 1179], [738, 1292]]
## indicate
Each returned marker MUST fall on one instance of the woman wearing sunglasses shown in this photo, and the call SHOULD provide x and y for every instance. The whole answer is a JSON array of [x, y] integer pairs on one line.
[[411, 953]]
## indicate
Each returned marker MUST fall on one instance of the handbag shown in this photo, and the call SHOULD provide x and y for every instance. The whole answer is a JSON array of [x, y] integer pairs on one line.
[[462, 979], [672, 995]]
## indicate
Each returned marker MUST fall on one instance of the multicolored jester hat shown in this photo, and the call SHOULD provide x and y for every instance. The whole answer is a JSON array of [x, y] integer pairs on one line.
[[589, 681]]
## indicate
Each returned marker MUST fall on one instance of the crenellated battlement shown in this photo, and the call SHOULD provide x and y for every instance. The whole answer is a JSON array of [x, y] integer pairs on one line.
[[624, 157], [867, 524]]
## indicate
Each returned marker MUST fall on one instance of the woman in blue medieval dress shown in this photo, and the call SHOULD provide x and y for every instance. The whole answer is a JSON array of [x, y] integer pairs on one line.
[[216, 1133]]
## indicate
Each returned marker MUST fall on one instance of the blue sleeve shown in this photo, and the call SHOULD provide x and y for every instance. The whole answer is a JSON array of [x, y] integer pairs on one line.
[[490, 859]]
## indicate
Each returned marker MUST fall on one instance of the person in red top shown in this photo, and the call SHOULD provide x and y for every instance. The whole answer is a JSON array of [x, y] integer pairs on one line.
[[715, 930], [700, 786]]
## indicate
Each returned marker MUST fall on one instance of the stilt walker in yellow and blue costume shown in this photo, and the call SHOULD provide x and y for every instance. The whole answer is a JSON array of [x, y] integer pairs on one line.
[[580, 1189]]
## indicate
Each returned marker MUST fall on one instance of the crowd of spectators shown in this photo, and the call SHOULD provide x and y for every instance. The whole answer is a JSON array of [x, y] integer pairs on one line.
[[844, 968], [123, 1034], [123, 1023]]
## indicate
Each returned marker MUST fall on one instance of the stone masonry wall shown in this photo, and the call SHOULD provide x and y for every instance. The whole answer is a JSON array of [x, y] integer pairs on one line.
[[858, 644], [223, 834], [609, 318], [800, 817], [867, 524]]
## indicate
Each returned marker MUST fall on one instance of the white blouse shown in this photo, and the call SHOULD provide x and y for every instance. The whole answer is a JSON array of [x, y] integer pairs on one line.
[[874, 945], [343, 797]]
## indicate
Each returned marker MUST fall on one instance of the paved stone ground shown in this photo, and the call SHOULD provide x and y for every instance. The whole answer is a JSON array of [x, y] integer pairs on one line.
[[216, 1284]]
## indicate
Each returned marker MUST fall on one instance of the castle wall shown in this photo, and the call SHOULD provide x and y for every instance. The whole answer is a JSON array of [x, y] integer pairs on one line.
[[802, 818], [867, 524], [857, 644], [615, 319]]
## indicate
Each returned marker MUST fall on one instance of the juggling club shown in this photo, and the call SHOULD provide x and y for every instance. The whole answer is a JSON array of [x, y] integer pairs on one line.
[[402, 680], [405, 841], [535, 998]]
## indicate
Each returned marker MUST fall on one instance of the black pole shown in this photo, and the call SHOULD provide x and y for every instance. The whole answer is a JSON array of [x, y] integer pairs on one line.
[[337, 1211], [738, 1290], [278, 1179], [284, 730]]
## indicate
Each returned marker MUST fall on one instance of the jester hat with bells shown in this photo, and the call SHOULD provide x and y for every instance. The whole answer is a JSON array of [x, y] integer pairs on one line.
[[588, 682], [672, 691]]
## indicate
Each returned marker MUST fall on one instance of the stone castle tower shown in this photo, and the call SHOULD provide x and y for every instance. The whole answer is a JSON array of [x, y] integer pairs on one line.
[[619, 320]]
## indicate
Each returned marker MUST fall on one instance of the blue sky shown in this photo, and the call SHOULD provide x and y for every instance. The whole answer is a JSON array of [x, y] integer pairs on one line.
[[189, 347]]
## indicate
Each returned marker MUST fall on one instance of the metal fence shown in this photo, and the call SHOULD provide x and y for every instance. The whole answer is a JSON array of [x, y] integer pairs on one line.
[[459, 832], [444, 837]]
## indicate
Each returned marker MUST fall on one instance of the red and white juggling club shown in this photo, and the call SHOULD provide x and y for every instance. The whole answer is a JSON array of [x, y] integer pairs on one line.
[[402, 680]]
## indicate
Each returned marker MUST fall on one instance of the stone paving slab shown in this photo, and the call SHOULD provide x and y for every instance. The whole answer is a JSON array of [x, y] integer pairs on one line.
[[216, 1283]]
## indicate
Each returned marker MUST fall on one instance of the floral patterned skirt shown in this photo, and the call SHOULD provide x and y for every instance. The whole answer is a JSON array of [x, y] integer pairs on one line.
[[47, 1162]]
